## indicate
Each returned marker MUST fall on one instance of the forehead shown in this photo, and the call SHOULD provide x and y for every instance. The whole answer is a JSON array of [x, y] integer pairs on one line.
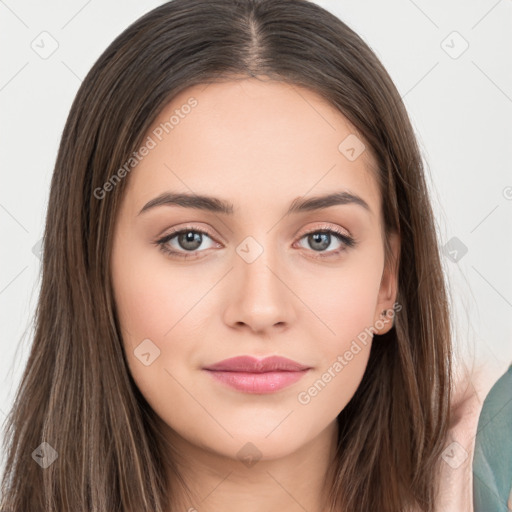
[[248, 140]]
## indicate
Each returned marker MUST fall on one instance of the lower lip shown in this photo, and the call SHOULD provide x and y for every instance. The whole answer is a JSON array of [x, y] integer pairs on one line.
[[268, 382]]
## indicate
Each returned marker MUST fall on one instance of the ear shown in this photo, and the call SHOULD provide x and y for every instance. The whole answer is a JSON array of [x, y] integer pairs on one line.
[[385, 310]]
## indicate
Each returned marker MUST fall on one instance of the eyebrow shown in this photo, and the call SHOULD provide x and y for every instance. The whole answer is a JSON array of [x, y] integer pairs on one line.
[[216, 205]]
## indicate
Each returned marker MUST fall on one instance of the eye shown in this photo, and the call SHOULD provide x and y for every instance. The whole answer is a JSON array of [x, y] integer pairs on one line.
[[188, 240], [321, 239]]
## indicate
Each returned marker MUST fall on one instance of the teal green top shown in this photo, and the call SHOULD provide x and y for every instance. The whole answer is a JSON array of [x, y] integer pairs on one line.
[[492, 462]]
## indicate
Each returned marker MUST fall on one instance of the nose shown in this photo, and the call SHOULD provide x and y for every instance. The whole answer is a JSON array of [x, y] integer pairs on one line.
[[260, 299]]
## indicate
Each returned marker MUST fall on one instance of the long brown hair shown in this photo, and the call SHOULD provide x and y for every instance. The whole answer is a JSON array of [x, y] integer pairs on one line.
[[76, 392]]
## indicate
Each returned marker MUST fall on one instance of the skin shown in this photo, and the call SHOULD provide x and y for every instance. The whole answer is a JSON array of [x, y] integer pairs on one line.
[[260, 145]]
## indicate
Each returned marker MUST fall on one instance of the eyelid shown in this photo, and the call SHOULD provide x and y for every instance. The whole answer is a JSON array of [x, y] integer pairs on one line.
[[324, 226], [190, 227], [301, 233]]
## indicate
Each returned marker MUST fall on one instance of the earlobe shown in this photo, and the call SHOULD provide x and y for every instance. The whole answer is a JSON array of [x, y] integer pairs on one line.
[[385, 321], [384, 312]]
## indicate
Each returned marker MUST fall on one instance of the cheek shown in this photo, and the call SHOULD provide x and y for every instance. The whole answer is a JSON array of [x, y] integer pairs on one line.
[[345, 302], [160, 306], [342, 352], [143, 309], [151, 314], [150, 300], [345, 298], [333, 385]]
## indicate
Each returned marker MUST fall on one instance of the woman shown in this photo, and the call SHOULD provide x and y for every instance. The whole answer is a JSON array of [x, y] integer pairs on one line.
[[242, 302]]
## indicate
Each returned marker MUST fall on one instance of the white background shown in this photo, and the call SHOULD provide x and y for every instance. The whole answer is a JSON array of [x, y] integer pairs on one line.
[[461, 109]]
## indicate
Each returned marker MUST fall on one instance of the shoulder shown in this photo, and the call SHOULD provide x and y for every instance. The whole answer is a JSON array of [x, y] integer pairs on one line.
[[492, 463], [456, 465]]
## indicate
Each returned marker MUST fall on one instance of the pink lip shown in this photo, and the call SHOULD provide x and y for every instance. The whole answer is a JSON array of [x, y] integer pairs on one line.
[[252, 375]]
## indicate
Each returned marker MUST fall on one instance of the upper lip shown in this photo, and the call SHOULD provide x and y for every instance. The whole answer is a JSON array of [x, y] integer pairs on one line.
[[253, 365]]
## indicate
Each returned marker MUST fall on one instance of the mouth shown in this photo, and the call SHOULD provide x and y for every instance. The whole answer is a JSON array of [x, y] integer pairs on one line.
[[258, 376]]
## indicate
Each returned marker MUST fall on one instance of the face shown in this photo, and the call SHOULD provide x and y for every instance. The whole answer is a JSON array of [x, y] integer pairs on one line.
[[271, 273]]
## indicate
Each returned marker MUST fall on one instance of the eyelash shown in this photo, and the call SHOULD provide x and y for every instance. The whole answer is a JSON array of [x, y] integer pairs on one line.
[[347, 241]]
